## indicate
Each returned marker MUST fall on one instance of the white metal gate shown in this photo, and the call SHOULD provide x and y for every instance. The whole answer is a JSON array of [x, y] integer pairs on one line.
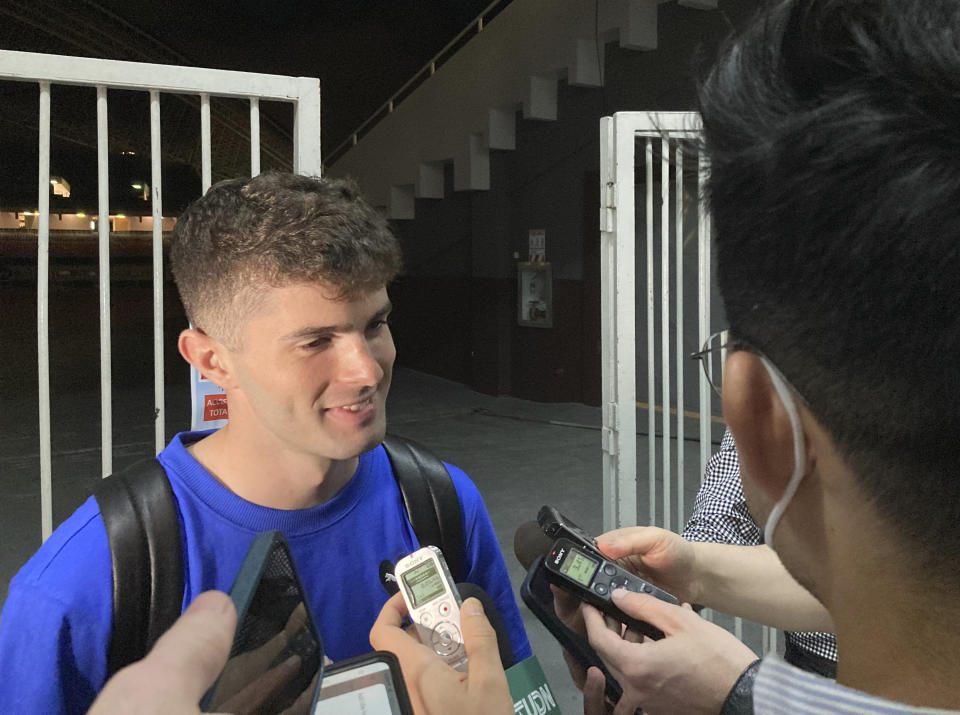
[[104, 75], [630, 143]]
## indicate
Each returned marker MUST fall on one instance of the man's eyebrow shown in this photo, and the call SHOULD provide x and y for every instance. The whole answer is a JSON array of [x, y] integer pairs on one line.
[[313, 331]]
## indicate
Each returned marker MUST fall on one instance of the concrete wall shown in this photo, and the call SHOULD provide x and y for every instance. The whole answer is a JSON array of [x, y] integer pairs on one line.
[[456, 304]]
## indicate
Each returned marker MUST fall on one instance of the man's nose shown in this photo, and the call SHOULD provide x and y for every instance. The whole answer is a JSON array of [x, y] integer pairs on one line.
[[357, 363]]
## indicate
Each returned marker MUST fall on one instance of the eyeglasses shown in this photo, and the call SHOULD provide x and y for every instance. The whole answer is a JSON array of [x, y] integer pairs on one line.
[[711, 357]]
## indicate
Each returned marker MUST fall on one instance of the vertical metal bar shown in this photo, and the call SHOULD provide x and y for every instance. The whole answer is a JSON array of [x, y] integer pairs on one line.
[[103, 229], [206, 168], [665, 323], [43, 313], [703, 305], [254, 136], [681, 353], [610, 437], [651, 346], [160, 412], [626, 325], [306, 128]]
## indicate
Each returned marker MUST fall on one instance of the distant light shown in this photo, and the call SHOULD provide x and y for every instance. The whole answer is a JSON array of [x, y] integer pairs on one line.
[[81, 214], [120, 216], [53, 182], [128, 153], [93, 225], [138, 187]]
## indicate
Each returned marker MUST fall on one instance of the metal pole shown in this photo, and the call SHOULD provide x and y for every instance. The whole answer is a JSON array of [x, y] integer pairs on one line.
[[665, 322], [254, 136], [651, 347], [155, 183], [103, 230], [43, 322], [678, 237], [205, 161]]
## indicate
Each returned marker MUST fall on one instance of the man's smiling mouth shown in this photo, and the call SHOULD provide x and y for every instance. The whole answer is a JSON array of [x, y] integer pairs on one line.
[[356, 407]]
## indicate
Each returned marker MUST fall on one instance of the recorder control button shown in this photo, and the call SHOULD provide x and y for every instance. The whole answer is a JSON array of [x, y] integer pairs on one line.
[[446, 639], [444, 609], [601, 589], [426, 619], [647, 588], [609, 570]]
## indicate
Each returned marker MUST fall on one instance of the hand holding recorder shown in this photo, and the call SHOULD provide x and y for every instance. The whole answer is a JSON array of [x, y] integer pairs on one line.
[[434, 686]]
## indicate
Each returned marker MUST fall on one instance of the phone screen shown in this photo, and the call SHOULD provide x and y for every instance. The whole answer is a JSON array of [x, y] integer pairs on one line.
[[366, 685], [275, 662]]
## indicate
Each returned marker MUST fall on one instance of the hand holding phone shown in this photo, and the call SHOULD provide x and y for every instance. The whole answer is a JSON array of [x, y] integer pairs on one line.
[[434, 603]]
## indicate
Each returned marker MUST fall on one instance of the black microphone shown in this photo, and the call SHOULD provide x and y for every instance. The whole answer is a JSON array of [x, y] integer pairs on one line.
[[472, 590], [530, 543]]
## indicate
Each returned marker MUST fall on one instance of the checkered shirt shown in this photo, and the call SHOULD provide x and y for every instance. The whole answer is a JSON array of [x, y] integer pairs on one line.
[[720, 515]]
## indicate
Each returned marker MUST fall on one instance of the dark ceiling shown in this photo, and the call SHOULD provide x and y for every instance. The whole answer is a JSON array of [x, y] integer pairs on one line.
[[362, 51]]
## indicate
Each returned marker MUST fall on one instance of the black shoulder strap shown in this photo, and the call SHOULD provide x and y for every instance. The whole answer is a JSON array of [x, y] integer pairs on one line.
[[140, 515], [431, 499]]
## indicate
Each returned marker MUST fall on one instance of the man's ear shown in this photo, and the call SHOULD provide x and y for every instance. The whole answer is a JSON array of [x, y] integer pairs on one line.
[[759, 423], [207, 355]]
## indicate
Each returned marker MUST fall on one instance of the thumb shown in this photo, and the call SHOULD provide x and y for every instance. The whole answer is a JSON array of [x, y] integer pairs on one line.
[[197, 645], [479, 637], [483, 655]]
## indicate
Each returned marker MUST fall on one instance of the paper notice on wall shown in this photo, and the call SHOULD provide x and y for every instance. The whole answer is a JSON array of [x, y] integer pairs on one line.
[[209, 403], [538, 245]]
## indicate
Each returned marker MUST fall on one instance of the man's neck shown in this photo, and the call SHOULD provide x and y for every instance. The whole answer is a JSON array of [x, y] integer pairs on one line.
[[278, 479], [896, 647], [898, 641]]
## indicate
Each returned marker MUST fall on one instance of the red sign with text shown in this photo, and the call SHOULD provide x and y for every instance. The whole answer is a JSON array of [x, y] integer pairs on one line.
[[215, 407]]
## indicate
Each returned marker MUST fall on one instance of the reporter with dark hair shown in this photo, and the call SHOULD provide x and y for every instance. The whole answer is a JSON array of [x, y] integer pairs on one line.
[[832, 128]]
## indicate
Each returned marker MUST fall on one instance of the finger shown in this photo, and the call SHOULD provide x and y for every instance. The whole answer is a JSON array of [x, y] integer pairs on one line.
[[632, 636], [414, 657], [393, 612], [665, 616], [629, 541], [566, 608], [615, 652], [193, 652], [483, 654], [593, 692]]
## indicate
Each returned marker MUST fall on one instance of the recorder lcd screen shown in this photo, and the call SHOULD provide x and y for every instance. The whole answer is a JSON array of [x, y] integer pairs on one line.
[[578, 567], [424, 583]]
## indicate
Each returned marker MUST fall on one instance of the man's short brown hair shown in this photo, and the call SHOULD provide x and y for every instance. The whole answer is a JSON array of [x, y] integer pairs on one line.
[[246, 234]]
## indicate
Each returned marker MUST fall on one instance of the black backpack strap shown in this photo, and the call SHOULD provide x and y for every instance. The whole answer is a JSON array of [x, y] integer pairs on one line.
[[431, 500], [140, 515]]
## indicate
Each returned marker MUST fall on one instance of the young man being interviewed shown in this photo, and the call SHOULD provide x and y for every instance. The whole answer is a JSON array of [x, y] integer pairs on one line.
[[284, 280]]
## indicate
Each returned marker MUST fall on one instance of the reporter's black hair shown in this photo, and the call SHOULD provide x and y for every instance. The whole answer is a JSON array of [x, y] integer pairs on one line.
[[833, 133]]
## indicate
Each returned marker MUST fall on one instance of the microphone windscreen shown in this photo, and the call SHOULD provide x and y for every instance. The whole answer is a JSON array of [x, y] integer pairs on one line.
[[472, 590], [530, 543]]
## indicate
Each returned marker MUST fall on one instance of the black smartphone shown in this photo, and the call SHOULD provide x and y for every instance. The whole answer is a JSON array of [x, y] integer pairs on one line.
[[592, 578], [557, 526], [371, 684], [276, 662], [536, 594]]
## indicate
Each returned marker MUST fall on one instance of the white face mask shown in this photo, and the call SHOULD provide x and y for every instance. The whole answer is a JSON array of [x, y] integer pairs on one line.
[[796, 429]]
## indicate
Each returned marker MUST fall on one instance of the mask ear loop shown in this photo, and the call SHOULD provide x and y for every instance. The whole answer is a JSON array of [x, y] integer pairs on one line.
[[799, 457]]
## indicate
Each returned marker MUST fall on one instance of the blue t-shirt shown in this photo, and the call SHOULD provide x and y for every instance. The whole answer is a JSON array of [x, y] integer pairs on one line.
[[56, 623]]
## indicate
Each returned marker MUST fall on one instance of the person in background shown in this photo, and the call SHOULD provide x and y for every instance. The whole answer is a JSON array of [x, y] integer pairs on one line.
[[720, 515]]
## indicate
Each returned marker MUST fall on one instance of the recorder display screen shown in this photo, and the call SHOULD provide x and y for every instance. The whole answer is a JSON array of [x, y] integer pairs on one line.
[[424, 583], [578, 567]]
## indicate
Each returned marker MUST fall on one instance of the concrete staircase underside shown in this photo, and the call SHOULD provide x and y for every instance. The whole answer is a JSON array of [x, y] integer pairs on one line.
[[469, 105]]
